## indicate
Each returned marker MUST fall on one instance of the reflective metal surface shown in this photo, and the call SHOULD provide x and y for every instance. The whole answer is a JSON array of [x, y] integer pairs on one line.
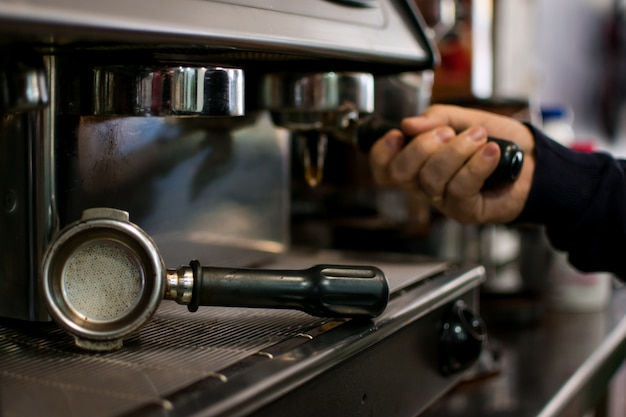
[[386, 34], [27, 215], [23, 81], [180, 179], [168, 91], [194, 185]]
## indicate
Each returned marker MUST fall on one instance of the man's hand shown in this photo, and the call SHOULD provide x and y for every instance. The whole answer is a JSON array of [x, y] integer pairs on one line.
[[449, 160]]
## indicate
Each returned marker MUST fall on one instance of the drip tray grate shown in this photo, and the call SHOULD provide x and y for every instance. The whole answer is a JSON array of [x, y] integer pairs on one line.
[[41, 369]]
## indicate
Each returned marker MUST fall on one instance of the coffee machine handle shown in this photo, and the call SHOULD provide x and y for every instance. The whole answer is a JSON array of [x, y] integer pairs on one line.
[[507, 171], [322, 290]]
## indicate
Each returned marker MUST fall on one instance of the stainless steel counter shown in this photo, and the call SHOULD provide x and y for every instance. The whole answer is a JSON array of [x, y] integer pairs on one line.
[[560, 366]]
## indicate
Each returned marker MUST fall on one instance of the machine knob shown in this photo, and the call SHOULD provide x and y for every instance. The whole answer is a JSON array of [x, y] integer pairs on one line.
[[462, 339]]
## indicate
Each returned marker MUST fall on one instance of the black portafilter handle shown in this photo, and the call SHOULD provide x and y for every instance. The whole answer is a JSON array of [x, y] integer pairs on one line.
[[322, 290], [511, 155]]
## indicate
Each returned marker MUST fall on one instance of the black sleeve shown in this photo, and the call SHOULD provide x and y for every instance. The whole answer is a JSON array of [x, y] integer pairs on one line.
[[581, 199]]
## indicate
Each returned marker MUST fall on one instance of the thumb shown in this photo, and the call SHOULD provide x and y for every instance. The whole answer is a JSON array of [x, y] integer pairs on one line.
[[383, 152]]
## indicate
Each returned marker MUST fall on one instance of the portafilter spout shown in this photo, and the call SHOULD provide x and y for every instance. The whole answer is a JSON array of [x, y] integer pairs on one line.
[[316, 106], [103, 278], [341, 106]]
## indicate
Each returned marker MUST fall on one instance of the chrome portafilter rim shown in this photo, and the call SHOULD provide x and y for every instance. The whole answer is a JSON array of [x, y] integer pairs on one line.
[[318, 91], [304, 101], [103, 278]]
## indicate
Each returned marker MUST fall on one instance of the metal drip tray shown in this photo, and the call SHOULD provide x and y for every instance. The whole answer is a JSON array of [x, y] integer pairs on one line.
[[40, 369], [221, 361]]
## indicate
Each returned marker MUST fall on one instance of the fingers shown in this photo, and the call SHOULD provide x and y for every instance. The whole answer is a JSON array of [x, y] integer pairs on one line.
[[468, 180], [442, 115], [460, 119], [443, 168], [464, 199], [433, 159], [446, 163], [411, 160], [382, 153]]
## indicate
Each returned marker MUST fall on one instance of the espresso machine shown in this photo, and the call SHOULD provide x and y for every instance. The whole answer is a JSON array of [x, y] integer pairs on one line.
[[145, 152]]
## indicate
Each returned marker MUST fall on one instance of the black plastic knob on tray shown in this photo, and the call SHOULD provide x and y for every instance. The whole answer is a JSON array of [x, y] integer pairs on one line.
[[463, 336]]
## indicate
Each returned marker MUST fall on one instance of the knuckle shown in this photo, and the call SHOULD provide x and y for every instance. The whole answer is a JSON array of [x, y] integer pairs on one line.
[[436, 108], [377, 162], [427, 183], [399, 173], [475, 170]]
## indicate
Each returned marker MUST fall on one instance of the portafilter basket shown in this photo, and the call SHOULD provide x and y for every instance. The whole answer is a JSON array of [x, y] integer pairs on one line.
[[103, 278]]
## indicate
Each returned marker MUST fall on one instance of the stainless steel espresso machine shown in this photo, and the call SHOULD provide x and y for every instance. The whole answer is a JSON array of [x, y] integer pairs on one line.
[[145, 150]]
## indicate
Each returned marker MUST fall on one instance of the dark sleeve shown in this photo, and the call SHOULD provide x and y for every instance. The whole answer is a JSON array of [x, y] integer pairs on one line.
[[581, 199]]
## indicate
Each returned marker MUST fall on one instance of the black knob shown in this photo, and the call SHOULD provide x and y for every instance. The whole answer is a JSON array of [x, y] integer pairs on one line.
[[463, 336], [509, 166]]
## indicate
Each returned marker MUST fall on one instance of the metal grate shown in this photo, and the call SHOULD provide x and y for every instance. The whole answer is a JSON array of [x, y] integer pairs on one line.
[[42, 372]]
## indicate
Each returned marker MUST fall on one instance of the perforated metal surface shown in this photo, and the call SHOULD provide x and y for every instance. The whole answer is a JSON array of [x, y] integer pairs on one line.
[[42, 373], [102, 281]]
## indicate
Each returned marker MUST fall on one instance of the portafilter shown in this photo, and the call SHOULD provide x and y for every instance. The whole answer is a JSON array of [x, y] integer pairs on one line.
[[341, 105], [103, 278]]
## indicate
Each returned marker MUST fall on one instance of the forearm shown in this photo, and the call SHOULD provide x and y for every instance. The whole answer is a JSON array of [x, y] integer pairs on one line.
[[581, 199]]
